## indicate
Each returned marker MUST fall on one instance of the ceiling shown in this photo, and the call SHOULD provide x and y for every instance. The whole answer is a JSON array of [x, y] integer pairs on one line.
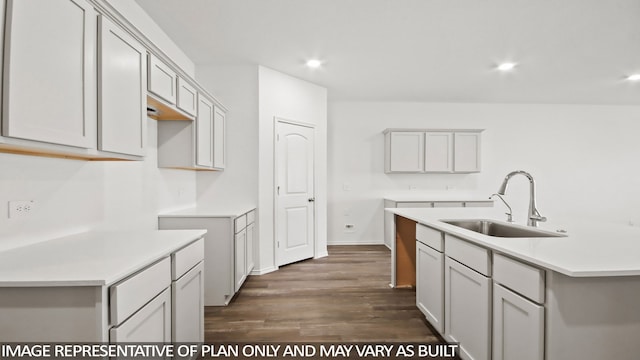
[[567, 51]]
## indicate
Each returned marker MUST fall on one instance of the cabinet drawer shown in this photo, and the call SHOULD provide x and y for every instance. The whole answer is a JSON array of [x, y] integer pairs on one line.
[[519, 277], [240, 223], [415, 205], [186, 258], [430, 237], [129, 295], [471, 255], [251, 217], [487, 203], [151, 324], [442, 204]]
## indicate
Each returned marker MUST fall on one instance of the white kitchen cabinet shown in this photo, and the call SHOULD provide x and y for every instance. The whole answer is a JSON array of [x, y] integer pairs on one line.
[[430, 284], [467, 151], [122, 85], [219, 138], [241, 258], [187, 97], [204, 133], [188, 306], [518, 326], [467, 310], [194, 145], [50, 72], [251, 228], [229, 248], [162, 80], [438, 154], [432, 150], [152, 323], [405, 151]]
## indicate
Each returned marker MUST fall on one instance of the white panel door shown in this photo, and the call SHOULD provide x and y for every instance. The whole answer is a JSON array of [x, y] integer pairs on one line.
[[162, 80], [430, 285], [438, 153], [187, 99], [295, 218], [518, 326], [467, 152], [407, 151], [49, 72], [219, 155], [122, 83], [152, 323], [204, 133], [467, 310], [241, 259], [188, 306]]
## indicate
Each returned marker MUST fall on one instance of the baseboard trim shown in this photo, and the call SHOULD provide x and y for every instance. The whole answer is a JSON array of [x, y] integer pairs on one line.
[[365, 242], [264, 271]]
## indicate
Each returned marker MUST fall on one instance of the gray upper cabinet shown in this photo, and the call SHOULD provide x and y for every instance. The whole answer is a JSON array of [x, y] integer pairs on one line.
[[122, 91], [187, 99], [432, 150], [162, 80], [49, 72]]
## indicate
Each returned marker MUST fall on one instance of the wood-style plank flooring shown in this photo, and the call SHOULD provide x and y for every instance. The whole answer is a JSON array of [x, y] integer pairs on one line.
[[344, 297]]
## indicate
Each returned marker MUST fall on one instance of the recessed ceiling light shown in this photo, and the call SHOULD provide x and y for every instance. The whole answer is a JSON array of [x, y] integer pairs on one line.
[[507, 66], [314, 63], [633, 77]]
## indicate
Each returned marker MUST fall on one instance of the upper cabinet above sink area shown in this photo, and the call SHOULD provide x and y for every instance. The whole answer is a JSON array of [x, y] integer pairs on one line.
[[432, 150]]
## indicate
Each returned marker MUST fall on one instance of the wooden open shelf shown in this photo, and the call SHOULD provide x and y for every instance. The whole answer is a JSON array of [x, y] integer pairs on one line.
[[166, 112], [405, 252]]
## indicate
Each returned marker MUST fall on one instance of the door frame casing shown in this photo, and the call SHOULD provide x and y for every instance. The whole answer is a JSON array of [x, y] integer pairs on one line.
[[276, 121]]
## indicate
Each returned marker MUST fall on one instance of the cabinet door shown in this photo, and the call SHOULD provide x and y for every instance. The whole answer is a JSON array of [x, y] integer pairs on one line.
[[467, 152], [250, 245], [162, 80], [219, 125], [187, 100], [240, 256], [188, 306], [122, 83], [438, 152], [467, 308], [204, 133], [518, 326], [406, 152], [152, 323], [430, 284], [49, 72]]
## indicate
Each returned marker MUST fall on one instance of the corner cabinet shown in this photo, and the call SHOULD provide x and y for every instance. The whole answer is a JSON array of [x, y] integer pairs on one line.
[[194, 145], [229, 248], [432, 150]]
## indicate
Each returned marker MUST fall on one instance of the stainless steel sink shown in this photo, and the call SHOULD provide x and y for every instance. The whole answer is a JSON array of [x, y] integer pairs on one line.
[[498, 229]]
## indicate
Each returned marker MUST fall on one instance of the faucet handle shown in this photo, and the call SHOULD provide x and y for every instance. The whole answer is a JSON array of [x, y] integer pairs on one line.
[[538, 218]]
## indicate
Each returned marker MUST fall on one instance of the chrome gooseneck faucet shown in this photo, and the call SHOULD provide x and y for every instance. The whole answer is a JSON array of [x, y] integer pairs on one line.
[[534, 215]]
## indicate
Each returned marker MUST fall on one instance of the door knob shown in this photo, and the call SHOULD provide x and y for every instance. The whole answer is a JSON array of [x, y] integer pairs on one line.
[[312, 199]]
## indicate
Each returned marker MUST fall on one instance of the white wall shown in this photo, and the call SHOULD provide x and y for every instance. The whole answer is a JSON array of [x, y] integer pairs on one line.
[[585, 159], [74, 195], [141, 20], [290, 98], [237, 88]]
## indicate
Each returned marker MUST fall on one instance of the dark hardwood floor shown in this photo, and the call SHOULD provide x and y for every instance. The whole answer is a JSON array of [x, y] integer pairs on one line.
[[344, 297]]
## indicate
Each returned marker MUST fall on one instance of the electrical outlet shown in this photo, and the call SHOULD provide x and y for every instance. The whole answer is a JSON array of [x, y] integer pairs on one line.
[[413, 187], [349, 228], [21, 208]]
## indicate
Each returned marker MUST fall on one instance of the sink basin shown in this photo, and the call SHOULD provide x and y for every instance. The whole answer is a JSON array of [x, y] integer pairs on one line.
[[499, 229]]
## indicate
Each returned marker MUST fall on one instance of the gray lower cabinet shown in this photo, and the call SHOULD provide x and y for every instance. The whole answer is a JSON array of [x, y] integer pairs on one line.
[[228, 248]]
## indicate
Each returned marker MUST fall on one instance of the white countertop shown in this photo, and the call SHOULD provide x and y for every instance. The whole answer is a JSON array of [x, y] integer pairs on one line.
[[590, 249], [208, 211], [89, 259]]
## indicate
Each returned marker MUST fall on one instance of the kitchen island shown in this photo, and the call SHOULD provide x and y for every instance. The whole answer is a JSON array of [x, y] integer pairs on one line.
[[573, 296], [104, 287]]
